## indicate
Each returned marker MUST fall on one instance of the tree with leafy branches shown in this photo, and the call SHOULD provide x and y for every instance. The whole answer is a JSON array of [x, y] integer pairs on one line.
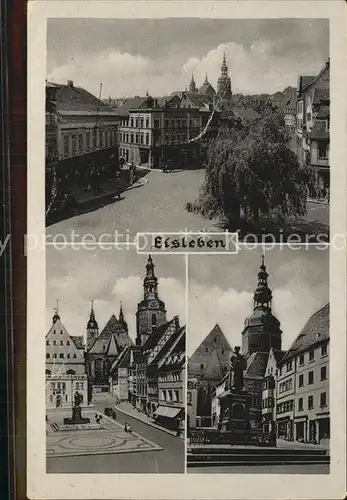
[[252, 174]]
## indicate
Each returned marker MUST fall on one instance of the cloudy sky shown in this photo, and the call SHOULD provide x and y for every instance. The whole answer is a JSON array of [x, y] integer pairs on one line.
[[221, 291], [130, 57], [75, 277]]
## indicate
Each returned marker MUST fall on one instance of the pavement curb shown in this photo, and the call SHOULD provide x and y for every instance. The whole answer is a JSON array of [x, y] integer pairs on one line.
[[148, 423]]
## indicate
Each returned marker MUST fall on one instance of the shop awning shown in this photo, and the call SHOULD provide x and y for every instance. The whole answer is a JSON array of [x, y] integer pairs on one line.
[[167, 411]]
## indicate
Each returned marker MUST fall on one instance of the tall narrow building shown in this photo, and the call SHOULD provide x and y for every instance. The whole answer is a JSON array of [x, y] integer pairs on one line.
[[192, 85], [262, 329], [224, 82], [151, 311], [92, 328]]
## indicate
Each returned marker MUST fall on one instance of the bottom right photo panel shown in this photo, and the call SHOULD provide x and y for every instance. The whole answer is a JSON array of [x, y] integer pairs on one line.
[[258, 361]]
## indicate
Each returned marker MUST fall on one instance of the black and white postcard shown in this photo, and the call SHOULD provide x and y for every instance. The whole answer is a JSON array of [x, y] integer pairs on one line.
[[186, 249]]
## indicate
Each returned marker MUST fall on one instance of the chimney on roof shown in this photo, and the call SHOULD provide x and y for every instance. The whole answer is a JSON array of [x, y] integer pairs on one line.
[[70, 83], [177, 322]]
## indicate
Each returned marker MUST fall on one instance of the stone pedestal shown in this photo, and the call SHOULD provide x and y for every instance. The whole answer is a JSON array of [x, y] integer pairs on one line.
[[76, 417], [234, 424]]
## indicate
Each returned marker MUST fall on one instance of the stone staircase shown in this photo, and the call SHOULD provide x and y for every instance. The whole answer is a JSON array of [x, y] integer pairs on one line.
[[219, 456]]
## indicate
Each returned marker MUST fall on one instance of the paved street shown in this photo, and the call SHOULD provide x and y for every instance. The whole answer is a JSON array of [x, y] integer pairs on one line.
[[157, 206], [263, 469], [168, 460], [160, 206]]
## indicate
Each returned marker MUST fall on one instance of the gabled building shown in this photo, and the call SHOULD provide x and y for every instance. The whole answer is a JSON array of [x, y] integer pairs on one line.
[[269, 400], [105, 349], [206, 367], [313, 125], [81, 137], [302, 406], [65, 367]]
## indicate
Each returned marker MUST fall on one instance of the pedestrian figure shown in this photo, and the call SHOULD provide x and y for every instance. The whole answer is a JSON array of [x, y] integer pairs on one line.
[[130, 429], [126, 427]]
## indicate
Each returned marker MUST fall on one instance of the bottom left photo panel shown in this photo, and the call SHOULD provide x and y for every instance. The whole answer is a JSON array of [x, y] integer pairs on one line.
[[115, 371]]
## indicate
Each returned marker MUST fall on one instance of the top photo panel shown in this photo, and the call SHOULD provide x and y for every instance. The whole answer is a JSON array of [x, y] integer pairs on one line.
[[184, 124]]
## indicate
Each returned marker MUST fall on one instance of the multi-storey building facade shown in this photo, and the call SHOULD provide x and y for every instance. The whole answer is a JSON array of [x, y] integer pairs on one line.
[[65, 367], [81, 136], [313, 125], [269, 399], [304, 371]]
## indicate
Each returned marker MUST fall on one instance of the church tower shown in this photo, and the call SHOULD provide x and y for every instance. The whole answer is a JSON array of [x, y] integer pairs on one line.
[[92, 329], [121, 318], [151, 311], [224, 82], [192, 85], [262, 330]]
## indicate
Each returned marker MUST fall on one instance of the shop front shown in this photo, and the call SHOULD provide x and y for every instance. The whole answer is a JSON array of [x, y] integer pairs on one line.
[[285, 429], [169, 417]]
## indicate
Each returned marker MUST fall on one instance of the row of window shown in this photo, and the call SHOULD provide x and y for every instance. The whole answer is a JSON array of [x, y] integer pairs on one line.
[[285, 406], [310, 402], [69, 372], [268, 402], [61, 355], [82, 142], [287, 385], [135, 138], [169, 377], [323, 376], [169, 396], [79, 386], [169, 123], [60, 343], [302, 358]]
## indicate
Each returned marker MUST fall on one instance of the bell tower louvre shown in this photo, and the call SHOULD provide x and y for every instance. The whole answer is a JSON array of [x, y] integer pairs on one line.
[[262, 329], [151, 311]]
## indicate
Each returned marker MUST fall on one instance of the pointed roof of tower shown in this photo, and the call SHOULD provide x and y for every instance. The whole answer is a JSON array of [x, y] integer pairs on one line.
[[262, 294], [150, 268], [192, 85], [92, 323], [56, 316], [122, 319]]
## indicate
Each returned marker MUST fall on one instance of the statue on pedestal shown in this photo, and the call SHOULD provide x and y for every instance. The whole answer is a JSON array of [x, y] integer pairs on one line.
[[238, 364]]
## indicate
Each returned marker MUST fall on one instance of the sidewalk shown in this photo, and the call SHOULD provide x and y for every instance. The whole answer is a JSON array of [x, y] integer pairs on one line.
[[128, 409], [107, 189], [282, 443], [319, 202]]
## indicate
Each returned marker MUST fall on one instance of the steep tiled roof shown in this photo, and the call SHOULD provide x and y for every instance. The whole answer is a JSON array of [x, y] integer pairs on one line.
[[256, 364], [71, 98], [132, 103], [153, 339], [314, 332], [243, 113], [103, 342], [278, 354], [306, 81], [320, 95], [212, 355], [78, 341], [319, 130], [323, 113], [123, 357]]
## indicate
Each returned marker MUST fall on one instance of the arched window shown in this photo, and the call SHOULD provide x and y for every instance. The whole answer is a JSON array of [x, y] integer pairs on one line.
[[61, 355], [54, 355], [71, 372], [47, 355], [75, 355], [154, 320], [48, 372], [61, 342]]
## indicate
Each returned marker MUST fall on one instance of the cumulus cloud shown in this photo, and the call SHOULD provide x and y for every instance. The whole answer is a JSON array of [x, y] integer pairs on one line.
[[254, 69]]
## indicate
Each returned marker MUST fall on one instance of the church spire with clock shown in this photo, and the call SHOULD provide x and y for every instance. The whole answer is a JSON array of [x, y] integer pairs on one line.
[[151, 311], [262, 329]]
